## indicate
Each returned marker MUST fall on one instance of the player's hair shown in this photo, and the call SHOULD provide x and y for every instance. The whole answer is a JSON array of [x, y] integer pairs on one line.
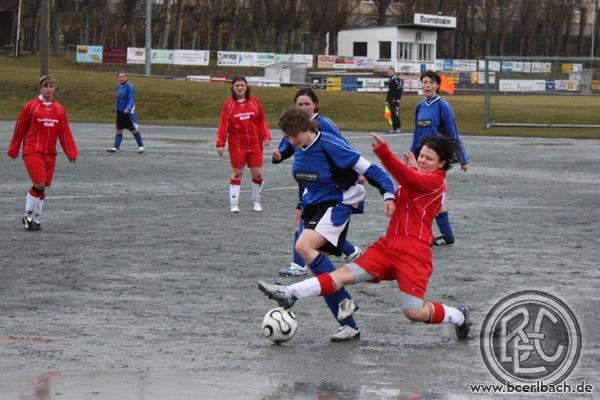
[[295, 120], [122, 72], [238, 78], [46, 80], [309, 93], [445, 147], [433, 76]]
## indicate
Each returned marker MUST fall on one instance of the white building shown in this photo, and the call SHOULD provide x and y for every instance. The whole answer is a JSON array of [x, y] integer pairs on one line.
[[403, 46]]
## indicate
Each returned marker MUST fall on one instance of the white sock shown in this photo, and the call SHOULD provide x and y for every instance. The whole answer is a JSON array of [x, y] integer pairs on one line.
[[234, 194], [306, 288], [37, 211], [30, 204], [256, 191], [452, 316]]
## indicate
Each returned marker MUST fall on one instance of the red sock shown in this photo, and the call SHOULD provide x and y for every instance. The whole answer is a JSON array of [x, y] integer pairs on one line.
[[36, 193], [327, 284], [438, 313], [233, 181], [258, 181]]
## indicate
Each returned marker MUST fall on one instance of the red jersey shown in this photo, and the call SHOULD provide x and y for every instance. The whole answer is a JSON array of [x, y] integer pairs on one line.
[[418, 199], [243, 123], [39, 125]]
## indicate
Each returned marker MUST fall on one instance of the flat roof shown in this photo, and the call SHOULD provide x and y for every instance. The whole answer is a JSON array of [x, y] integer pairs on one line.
[[409, 25]]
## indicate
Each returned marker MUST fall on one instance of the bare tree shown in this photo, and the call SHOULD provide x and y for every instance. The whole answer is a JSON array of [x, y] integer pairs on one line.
[[178, 23], [582, 23], [128, 10], [382, 7]]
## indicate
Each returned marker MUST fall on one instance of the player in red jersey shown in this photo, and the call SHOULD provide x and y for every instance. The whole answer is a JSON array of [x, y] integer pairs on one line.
[[404, 253], [244, 126], [41, 122]]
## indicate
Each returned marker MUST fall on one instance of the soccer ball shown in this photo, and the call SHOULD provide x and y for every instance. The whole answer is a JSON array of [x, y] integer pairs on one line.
[[279, 325]]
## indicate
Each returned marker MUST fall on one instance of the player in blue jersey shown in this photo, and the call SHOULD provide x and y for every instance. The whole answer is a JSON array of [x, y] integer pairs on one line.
[[126, 116], [328, 168], [308, 101], [434, 116]]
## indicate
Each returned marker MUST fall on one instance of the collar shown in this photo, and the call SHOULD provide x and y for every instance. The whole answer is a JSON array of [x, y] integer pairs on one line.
[[313, 142], [431, 100], [44, 101]]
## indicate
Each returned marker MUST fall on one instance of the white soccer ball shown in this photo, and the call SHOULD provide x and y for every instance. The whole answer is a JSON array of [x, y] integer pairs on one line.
[[279, 325]]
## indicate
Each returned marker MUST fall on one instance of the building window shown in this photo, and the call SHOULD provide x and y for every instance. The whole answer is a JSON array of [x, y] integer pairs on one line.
[[359, 49], [406, 51], [385, 50], [425, 52]]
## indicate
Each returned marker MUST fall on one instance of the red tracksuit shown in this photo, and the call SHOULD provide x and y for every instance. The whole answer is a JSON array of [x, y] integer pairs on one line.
[[244, 126], [404, 253], [38, 127]]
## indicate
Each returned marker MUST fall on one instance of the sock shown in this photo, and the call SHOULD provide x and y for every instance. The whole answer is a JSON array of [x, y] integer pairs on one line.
[[34, 196], [439, 313], [443, 224], [234, 191], [37, 211], [30, 203], [118, 139], [138, 139], [347, 248], [321, 267], [307, 288], [257, 185], [296, 257], [452, 316]]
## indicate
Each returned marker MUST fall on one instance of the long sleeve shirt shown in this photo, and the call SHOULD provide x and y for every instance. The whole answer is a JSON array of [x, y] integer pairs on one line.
[[435, 117], [328, 169], [243, 123], [419, 197], [38, 127]]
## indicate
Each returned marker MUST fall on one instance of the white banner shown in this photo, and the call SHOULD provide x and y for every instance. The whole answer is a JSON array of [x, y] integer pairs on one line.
[[522, 85], [191, 57], [136, 55], [303, 58]]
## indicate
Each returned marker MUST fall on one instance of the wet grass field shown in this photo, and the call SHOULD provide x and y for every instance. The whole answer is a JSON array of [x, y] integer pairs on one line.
[[142, 285]]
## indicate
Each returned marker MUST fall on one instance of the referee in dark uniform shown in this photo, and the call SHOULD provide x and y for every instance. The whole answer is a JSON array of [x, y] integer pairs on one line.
[[394, 94]]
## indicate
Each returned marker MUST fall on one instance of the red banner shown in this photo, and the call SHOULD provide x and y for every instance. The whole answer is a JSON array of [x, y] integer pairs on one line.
[[114, 55]]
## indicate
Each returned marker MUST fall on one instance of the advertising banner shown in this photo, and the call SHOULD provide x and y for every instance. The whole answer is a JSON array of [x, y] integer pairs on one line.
[[303, 58], [114, 55], [364, 63], [522, 85], [136, 55], [89, 54], [325, 62], [160, 56], [191, 57]]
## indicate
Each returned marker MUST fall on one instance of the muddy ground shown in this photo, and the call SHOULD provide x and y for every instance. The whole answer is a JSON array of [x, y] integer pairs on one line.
[[142, 285]]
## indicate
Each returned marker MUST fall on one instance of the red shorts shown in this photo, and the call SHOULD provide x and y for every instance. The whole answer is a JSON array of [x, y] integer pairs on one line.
[[406, 260], [241, 156], [40, 167]]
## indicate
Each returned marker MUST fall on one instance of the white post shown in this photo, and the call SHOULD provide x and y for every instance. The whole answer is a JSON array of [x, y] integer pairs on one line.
[[147, 69], [18, 29]]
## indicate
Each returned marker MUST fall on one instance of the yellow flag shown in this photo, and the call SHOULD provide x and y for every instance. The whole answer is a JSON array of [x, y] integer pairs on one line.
[[387, 114]]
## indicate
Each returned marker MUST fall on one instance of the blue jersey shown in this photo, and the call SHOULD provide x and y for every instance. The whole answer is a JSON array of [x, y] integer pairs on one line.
[[324, 124], [435, 117], [328, 169], [125, 98]]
